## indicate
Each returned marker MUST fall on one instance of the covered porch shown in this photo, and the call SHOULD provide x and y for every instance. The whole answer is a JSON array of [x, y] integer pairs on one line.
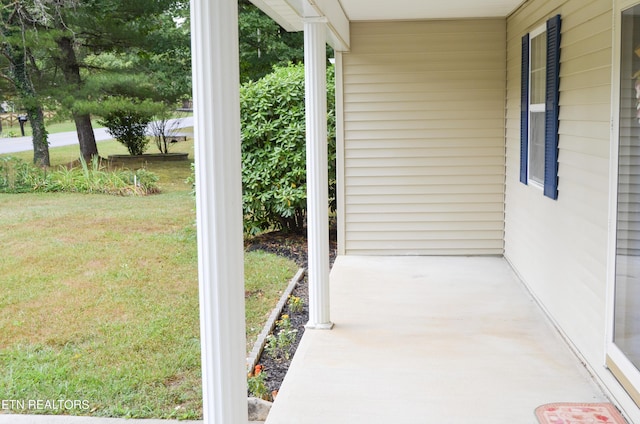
[[428, 163], [452, 340]]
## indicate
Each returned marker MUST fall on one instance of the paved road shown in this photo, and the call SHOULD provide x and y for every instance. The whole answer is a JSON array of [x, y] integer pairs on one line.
[[23, 144]]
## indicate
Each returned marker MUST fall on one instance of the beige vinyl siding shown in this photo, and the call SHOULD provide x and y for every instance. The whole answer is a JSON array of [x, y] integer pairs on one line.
[[424, 137], [559, 248]]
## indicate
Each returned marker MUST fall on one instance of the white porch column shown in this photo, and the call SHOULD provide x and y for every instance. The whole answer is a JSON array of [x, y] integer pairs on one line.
[[315, 65], [214, 29]]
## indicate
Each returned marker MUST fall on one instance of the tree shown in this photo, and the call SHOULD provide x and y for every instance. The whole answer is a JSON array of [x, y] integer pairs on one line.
[[19, 68], [67, 61], [264, 44], [33, 107], [166, 64], [132, 88], [166, 59], [70, 31], [273, 150]]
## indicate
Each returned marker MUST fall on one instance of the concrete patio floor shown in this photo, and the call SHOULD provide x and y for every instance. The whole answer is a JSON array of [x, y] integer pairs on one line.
[[437, 340]]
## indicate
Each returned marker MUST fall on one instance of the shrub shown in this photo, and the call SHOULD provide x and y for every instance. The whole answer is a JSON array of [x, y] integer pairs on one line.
[[17, 176], [127, 120], [273, 150], [129, 129]]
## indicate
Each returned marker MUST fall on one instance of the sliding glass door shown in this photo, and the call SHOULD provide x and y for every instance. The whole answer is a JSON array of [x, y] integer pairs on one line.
[[624, 351]]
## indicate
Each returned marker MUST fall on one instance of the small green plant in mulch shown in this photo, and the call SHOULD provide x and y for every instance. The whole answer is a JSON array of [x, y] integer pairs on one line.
[[295, 303], [257, 385], [278, 344]]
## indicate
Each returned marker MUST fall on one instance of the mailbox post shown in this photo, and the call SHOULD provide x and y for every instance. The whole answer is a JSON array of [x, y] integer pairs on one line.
[[22, 119]]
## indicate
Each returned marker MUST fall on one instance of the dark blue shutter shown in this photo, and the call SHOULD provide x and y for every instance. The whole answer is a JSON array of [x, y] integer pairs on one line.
[[524, 112], [552, 109]]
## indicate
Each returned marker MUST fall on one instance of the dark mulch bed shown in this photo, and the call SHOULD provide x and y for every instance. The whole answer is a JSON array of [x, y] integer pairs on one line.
[[294, 247]]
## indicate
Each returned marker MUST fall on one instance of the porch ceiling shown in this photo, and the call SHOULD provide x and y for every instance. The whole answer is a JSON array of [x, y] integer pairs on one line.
[[287, 12], [290, 13], [366, 10]]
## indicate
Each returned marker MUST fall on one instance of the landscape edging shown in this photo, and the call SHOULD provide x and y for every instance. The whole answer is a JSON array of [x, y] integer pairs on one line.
[[258, 346]]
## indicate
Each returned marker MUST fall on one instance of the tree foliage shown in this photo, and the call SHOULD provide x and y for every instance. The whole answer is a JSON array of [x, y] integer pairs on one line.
[[264, 44], [273, 149], [77, 45], [166, 60]]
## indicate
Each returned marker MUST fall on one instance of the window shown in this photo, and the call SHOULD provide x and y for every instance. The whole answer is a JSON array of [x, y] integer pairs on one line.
[[537, 91], [539, 107]]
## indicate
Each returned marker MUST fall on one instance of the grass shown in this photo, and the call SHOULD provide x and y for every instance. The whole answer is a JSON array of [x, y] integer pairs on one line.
[[100, 298]]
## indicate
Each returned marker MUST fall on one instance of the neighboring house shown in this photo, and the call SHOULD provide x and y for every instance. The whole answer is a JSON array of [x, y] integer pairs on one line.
[[475, 127]]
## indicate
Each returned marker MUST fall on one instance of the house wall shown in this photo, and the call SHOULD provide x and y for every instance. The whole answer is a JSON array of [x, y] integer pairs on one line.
[[423, 132], [559, 247]]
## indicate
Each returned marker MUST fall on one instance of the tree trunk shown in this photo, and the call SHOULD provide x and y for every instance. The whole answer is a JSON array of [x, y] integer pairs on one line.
[[86, 137], [40, 142], [24, 85], [69, 64]]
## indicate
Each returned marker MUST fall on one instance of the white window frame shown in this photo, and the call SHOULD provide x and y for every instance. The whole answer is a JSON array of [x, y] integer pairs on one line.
[[533, 108]]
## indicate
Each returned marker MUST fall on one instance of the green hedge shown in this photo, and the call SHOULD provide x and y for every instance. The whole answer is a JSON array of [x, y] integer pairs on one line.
[[273, 150]]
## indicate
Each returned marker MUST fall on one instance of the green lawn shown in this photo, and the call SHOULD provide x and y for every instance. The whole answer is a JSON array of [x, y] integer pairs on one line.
[[100, 298]]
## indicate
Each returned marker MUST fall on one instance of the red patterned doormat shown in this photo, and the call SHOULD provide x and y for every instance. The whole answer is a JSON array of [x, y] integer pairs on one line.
[[579, 413]]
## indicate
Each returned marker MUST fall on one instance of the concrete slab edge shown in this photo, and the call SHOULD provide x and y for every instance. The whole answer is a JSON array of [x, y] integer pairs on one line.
[[252, 359], [68, 419]]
